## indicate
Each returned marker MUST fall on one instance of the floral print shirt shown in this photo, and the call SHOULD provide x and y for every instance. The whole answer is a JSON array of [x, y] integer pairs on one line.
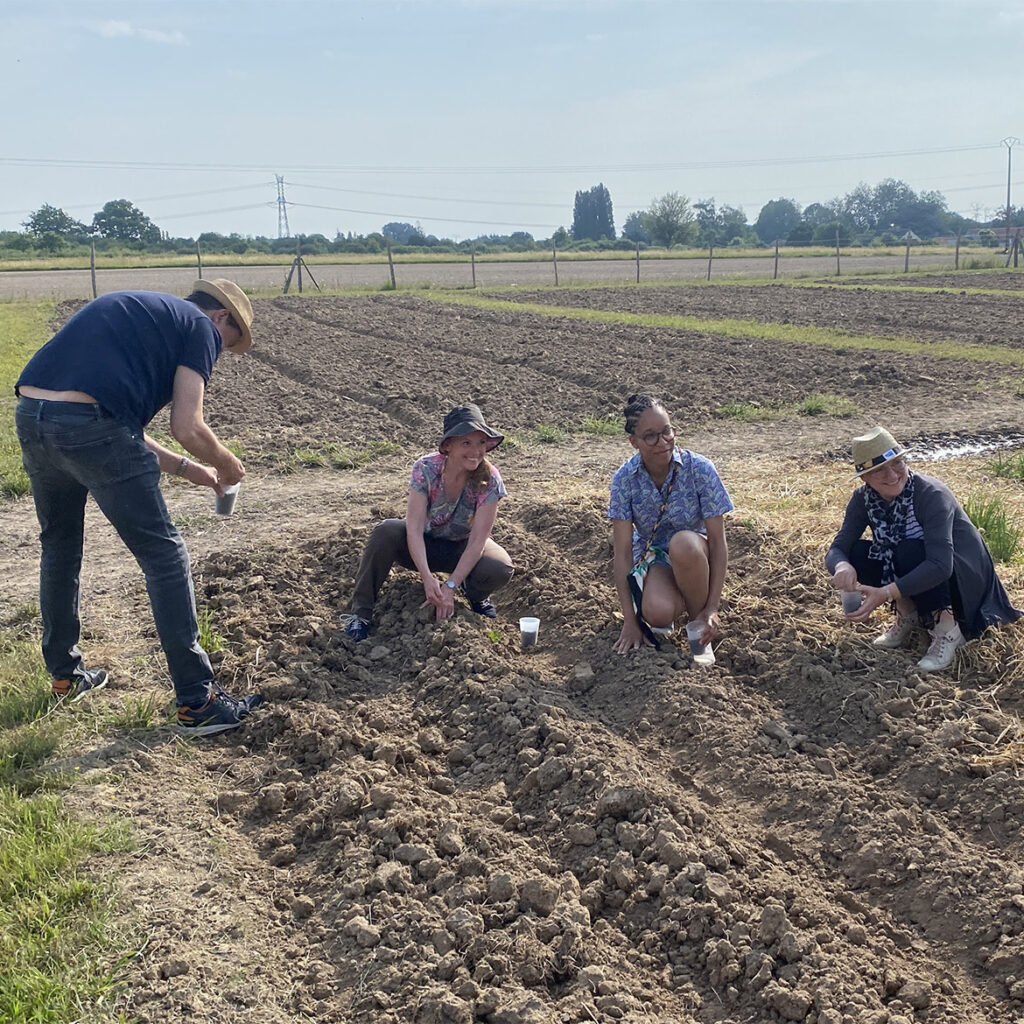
[[451, 520], [697, 494]]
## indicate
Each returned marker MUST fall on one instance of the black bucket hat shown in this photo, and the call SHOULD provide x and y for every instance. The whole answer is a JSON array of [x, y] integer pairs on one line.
[[464, 419]]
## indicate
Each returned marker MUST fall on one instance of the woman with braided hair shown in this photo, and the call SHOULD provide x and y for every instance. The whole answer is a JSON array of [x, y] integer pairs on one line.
[[667, 510], [925, 557]]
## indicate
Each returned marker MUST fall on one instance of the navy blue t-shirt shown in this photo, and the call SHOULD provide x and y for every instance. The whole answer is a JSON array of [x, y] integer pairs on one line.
[[124, 349]]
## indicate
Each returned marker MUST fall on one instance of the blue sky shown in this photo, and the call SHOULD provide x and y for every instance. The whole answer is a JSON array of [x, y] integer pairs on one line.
[[479, 116]]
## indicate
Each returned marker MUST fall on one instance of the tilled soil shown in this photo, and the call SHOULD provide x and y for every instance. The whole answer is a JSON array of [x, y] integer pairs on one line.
[[435, 827], [962, 316], [380, 368]]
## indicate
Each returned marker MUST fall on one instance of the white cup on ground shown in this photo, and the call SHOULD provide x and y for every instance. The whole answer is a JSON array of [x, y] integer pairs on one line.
[[528, 629], [852, 600], [702, 653], [226, 501]]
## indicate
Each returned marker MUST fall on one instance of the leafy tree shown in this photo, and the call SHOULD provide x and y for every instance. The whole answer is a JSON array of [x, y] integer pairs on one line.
[[521, 241], [52, 243], [398, 231], [777, 218], [819, 213], [826, 233], [719, 226], [560, 238], [592, 214], [122, 220], [634, 228], [800, 234], [53, 220], [670, 220]]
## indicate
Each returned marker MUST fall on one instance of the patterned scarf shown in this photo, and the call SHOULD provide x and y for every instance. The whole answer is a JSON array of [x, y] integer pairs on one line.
[[888, 520]]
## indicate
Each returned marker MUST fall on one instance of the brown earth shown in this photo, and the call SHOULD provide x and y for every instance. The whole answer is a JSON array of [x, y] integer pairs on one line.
[[434, 827], [962, 316]]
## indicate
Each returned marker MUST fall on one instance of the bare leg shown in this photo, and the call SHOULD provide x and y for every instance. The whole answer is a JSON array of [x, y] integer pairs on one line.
[[688, 553], [662, 602]]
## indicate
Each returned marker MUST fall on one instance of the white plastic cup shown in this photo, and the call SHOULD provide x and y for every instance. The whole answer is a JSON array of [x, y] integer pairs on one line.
[[226, 502], [528, 629], [693, 632], [852, 600]]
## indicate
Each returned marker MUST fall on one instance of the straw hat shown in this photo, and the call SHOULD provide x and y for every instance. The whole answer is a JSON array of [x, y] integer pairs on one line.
[[464, 419], [236, 302], [874, 449]]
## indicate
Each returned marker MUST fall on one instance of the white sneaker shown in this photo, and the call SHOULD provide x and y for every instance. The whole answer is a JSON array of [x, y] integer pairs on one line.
[[943, 647], [899, 632]]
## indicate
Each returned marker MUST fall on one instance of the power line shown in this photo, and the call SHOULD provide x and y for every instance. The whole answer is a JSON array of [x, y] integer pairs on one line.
[[428, 199], [414, 217], [463, 169]]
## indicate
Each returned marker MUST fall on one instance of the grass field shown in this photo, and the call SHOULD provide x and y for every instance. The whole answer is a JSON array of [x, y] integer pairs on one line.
[[23, 328]]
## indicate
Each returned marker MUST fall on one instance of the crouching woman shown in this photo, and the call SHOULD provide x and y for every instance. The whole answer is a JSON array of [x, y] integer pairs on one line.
[[667, 509], [925, 557], [453, 502]]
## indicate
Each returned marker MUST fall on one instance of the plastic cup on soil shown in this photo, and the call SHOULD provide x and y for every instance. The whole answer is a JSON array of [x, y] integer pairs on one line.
[[693, 632], [528, 629], [226, 501], [852, 600]]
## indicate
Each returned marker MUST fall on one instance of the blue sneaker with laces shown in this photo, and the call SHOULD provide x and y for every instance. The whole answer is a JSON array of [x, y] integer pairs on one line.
[[357, 628], [220, 713]]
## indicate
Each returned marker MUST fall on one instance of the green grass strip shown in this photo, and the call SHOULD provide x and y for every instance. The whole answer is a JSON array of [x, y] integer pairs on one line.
[[793, 334], [59, 957], [24, 326], [55, 958]]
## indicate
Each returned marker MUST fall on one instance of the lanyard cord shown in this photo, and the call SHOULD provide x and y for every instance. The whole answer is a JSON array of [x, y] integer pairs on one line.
[[661, 512]]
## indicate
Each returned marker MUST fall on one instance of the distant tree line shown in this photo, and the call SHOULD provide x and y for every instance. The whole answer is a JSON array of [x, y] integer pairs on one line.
[[882, 214]]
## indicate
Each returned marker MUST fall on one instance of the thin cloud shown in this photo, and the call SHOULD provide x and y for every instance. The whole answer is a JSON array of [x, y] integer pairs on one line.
[[126, 30]]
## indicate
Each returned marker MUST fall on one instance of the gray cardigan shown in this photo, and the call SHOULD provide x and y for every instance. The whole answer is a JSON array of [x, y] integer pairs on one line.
[[953, 548]]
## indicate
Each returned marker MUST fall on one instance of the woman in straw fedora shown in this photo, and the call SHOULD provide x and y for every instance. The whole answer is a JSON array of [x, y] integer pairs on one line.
[[453, 502], [925, 557]]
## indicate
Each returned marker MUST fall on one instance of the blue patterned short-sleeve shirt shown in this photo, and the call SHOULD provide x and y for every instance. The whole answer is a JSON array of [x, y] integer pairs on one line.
[[698, 494]]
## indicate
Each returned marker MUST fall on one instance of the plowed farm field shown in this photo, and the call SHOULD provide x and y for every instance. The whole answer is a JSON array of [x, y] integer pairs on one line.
[[433, 826]]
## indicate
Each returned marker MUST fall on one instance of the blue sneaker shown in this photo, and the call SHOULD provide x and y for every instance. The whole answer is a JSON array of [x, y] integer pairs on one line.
[[357, 628], [220, 713], [482, 607], [87, 681]]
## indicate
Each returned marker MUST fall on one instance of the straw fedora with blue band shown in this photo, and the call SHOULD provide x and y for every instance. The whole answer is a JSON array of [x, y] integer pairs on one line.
[[874, 449], [464, 419], [236, 302]]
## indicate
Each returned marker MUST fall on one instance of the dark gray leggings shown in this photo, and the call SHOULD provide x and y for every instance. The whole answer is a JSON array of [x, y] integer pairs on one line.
[[387, 545]]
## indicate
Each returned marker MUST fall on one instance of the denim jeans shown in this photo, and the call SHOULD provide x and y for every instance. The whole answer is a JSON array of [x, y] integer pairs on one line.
[[71, 450]]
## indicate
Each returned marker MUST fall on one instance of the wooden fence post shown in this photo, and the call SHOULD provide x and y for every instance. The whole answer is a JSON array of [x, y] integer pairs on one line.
[[554, 262], [956, 257], [906, 259], [711, 256], [199, 259], [391, 268], [298, 259], [92, 266], [837, 252], [775, 273], [1016, 248], [472, 264], [637, 262]]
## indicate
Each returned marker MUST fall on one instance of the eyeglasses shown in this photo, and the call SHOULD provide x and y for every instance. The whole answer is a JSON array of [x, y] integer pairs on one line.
[[894, 467], [652, 437]]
